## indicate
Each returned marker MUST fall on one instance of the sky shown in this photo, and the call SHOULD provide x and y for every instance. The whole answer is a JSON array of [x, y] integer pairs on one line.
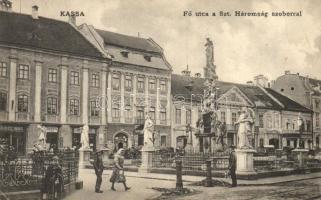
[[244, 46]]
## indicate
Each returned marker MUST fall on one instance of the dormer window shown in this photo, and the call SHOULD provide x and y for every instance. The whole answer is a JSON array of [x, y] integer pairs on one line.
[[124, 54], [148, 58]]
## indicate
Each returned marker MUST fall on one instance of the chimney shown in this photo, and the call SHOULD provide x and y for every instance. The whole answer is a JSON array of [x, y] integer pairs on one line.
[[198, 75], [72, 20], [287, 72], [5, 5], [261, 80], [35, 12]]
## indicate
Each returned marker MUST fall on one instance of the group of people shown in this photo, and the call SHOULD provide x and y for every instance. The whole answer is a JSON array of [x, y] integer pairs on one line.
[[117, 176]]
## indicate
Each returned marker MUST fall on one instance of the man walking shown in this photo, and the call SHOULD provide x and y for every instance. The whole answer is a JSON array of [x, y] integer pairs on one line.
[[232, 166], [99, 168]]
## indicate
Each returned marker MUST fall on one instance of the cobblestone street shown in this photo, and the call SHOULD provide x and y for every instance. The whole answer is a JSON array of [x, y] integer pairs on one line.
[[297, 190]]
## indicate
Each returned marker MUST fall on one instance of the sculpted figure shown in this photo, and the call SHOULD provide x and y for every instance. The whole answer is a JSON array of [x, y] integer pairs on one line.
[[245, 122], [84, 140], [148, 132]]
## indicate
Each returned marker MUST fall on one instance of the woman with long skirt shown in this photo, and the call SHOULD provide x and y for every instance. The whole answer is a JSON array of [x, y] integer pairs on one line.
[[118, 170]]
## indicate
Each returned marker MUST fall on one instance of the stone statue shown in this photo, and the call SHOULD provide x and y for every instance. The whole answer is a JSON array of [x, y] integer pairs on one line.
[[245, 122], [43, 136], [84, 140], [300, 123], [148, 132], [210, 69]]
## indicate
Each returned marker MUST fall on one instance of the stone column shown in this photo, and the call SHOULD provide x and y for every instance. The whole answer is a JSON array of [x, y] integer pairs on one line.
[[38, 85], [63, 94], [12, 86], [122, 98], [168, 106], [85, 94], [109, 97], [134, 96], [103, 94], [146, 95], [157, 102]]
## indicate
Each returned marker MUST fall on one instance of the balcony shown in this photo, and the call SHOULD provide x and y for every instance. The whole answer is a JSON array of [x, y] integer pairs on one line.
[[94, 120], [22, 116], [74, 119], [3, 115], [52, 118], [140, 121]]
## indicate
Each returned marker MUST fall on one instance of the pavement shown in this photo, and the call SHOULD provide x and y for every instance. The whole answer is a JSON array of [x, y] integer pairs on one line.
[[142, 183]]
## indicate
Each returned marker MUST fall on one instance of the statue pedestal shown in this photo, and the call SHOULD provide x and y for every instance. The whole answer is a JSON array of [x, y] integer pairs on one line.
[[244, 162], [147, 158], [302, 154], [105, 154], [84, 157], [189, 147]]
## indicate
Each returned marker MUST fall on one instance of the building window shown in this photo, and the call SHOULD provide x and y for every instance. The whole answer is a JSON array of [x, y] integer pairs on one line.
[[162, 85], [317, 120], [223, 119], [23, 103], [74, 106], [23, 72], [178, 116], [3, 101], [116, 111], [317, 104], [287, 125], [269, 122], [116, 82], [163, 140], [94, 108], [140, 84], [3, 69], [140, 115], [128, 83], [308, 125], [188, 116], [95, 80], [233, 118], [74, 78], [152, 113], [163, 115], [52, 106], [261, 142], [261, 123], [52, 75], [128, 112], [152, 84]]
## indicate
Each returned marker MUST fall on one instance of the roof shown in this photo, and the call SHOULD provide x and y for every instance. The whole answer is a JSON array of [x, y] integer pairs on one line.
[[288, 103], [254, 93], [44, 34], [126, 41]]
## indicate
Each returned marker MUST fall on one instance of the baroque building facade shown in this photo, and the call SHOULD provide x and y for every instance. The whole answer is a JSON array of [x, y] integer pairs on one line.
[[307, 92], [48, 72], [276, 116]]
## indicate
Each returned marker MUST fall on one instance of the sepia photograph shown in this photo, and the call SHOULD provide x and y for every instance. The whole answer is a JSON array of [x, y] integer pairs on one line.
[[160, 99]]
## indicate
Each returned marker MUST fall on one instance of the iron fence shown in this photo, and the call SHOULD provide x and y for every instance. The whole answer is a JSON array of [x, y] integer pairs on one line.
[[28, 173]]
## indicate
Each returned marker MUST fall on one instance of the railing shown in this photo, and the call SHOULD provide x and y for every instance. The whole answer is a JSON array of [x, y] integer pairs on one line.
[[22, 116], [191, 161], [28, 173]]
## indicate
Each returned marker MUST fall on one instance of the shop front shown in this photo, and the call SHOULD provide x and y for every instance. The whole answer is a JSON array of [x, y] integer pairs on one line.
[[52, 137], [15, 136], [76, 137]]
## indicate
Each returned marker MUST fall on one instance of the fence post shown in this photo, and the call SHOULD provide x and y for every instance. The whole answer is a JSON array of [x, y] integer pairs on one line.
[[179, 181], [208, 181]]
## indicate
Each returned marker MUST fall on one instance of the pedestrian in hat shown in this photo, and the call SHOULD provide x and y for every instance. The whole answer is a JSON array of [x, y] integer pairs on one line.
[[118, 170], [99, 168], [53, 182], [232, 166]]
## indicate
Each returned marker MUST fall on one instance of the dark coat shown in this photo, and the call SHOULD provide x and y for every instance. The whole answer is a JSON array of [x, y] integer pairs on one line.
[[232, 161], [53, 174], [98, 166]]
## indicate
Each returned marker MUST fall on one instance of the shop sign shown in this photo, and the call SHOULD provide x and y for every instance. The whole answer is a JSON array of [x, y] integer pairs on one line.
[[7, 128], [52, 129]]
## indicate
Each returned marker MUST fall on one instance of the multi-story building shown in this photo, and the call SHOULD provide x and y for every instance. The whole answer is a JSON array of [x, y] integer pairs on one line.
[[307, 92], [139, 82], [50, 75], [276, 116]]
